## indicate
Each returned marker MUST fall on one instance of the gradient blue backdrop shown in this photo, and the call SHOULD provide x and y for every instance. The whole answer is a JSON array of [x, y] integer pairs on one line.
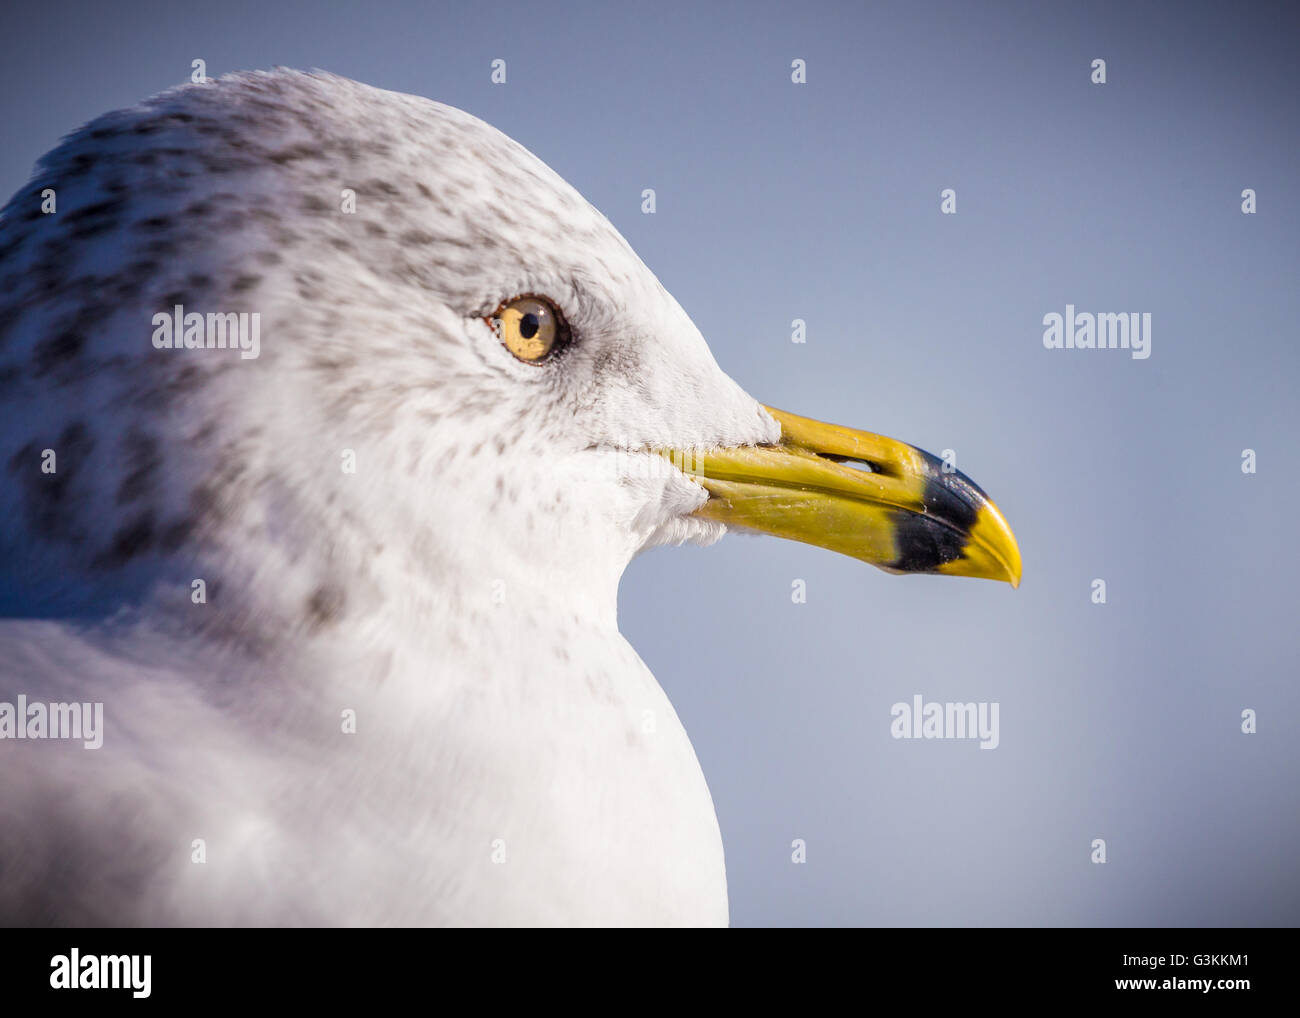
[[821, 201]]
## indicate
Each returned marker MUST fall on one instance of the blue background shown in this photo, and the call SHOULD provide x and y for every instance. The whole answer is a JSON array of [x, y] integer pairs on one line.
[[821, 201]]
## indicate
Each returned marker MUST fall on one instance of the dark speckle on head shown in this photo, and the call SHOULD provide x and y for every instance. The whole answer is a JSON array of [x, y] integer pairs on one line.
[[56, 350], [141, 459], [325, 606], [110, 207], [131, 540], [50, 500], [617, 362]]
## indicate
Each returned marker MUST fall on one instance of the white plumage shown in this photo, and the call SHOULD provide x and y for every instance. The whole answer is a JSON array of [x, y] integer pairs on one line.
[[513, 761]]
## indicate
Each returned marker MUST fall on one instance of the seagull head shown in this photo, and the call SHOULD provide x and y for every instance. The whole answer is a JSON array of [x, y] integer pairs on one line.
[[463, 372]]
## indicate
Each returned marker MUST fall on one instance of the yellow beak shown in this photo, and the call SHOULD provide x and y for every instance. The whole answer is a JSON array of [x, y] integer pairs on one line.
[[863, 495]]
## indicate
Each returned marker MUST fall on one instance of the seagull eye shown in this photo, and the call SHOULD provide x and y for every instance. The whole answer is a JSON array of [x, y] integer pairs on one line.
[[531, 328]]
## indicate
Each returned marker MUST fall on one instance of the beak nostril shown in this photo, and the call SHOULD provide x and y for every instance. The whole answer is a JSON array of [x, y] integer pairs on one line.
[[866, 466]]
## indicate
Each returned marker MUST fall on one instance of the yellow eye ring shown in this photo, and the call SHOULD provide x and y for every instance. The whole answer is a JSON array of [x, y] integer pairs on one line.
[[530, 327]]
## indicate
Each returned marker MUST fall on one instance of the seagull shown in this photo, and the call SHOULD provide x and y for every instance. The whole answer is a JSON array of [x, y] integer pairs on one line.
[[340, 570]]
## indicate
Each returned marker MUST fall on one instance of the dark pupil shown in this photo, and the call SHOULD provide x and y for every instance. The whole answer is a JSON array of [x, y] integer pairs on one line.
[[528, 325]]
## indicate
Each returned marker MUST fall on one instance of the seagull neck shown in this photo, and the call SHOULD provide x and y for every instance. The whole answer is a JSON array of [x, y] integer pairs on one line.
[[503, 581]]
